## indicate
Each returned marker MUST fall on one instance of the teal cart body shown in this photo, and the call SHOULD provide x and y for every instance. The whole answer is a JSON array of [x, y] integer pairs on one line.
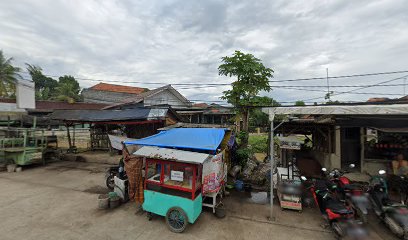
[[173, 185], [160, 204]]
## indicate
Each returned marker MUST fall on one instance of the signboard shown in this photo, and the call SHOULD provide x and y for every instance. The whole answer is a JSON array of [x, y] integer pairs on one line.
[[176, 176], [290, 143]]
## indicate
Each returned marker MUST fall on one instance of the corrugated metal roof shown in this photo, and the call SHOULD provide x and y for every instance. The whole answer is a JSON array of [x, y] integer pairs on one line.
[[172, 154], [102, 115], [157, 113]]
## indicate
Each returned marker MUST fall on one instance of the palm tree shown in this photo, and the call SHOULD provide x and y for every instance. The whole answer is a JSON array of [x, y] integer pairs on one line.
[[8, 76]]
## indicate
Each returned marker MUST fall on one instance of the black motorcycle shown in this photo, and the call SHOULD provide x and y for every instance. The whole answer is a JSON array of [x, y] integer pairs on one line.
[[339, 217], [394, 214], [118, 171]]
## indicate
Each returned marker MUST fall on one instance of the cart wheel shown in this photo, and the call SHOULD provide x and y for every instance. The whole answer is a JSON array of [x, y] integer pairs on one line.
[[220, 212], [176, 219], [149, 216]]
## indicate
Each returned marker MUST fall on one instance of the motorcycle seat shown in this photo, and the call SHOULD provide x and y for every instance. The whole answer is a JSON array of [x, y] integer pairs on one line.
[[338, 207], [352, 187]]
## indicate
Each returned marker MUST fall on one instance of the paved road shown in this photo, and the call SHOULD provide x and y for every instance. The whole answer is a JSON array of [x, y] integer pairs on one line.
[[59, 201]]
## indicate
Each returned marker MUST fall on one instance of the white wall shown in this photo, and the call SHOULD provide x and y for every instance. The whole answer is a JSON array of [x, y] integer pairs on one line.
[[164, 97], [330, 160], [25, 95]]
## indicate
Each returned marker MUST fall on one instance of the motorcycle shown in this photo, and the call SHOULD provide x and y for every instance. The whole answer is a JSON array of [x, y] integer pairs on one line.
[[118, 171], [394, 214], [339, 217], [352, 194]]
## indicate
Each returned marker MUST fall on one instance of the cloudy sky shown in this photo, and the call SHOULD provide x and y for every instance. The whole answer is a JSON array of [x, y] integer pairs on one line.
[[183, 41]]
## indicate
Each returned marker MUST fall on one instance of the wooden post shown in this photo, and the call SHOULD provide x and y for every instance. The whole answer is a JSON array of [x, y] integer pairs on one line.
[[73, 139], [68, 136]]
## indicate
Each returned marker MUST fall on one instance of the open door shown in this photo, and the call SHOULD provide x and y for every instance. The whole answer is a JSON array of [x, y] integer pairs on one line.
[[350, 147]]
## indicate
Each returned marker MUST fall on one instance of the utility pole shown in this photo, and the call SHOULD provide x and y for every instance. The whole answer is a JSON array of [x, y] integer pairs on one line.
[[328, 84], [272, 162]]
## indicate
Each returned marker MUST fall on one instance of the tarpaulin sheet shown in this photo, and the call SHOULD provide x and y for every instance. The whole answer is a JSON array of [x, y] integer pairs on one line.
[[185, 138]]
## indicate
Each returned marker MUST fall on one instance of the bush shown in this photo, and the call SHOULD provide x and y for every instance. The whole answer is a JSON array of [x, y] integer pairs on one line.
[[242, 156]]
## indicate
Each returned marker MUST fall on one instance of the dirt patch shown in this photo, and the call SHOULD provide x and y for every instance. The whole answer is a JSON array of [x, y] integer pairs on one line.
[[97, 190]]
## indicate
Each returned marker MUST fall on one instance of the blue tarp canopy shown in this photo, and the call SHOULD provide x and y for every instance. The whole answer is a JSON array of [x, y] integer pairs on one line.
[[185, 138]]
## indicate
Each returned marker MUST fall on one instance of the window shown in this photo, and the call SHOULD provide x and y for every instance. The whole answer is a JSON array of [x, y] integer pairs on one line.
[[174, 178]]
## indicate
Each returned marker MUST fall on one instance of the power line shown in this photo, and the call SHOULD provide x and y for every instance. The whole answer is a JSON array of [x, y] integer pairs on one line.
[[363, 93], [368, 86], [227, 84]]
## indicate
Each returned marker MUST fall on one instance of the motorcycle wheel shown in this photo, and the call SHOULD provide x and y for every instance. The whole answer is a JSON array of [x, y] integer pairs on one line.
[[338, 230], [393, 226], [363, 217], [110, 182]]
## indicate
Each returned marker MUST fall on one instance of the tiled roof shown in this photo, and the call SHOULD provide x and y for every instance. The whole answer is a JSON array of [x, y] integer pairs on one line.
[[7, 100], [201, 105], [142, 96], [117, 88], [53, 105]]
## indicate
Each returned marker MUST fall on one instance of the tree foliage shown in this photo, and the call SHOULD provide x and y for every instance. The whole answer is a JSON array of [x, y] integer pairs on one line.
[[251, 78], [68, 89], [300, 103], [44, 86], [8, 76], [257, 117]]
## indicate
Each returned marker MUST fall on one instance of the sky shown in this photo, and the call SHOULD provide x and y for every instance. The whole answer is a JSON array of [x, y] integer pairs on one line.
[[138, 43]]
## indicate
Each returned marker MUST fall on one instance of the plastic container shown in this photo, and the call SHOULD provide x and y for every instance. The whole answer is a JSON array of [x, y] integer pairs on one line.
[[103, 201], [239, 185], [11, 167], [114, 201]]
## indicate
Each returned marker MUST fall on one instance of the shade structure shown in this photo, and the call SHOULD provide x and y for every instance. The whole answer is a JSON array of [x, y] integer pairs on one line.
[[207, 139]]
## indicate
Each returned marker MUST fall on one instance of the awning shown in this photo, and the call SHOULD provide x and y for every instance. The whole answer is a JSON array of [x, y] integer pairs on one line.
[[383, 109], [172, 154], [185, 138], [110, 115]]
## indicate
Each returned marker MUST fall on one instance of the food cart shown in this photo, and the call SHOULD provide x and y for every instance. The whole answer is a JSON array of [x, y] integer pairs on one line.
[[173, 185], [184, 171], [289, 188]]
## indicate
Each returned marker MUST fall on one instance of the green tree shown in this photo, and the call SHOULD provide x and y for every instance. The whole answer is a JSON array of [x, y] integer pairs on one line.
[[8, 76], [68, 89], [300, 103], [251, 78], [45, 87], [257, 117]]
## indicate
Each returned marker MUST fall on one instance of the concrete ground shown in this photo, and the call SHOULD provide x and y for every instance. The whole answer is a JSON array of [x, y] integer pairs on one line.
[[59, 201]]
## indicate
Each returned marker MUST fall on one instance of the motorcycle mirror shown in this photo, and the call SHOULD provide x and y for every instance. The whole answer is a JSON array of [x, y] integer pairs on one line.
[[381, 172], [303, 178], [324, 169], [352, 165]]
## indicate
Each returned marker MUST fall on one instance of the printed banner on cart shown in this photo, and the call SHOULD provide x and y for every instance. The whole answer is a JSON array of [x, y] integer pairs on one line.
[[213, 173]]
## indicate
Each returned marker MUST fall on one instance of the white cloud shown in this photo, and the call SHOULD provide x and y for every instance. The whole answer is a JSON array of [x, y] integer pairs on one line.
[[183, 41]]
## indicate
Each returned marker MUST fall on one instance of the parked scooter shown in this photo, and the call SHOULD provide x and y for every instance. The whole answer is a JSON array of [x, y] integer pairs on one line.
[[394, 214], [118, 171], [352, 194], [340, 217]]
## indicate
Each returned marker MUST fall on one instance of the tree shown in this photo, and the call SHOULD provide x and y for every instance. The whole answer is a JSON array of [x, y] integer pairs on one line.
[[8, 76], [45, 87], [300, 103], [68, 89], [251, 78], [259, 118]]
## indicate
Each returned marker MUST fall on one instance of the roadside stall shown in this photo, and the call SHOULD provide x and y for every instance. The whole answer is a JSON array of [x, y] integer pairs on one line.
[[289, 186], [184, 171]]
